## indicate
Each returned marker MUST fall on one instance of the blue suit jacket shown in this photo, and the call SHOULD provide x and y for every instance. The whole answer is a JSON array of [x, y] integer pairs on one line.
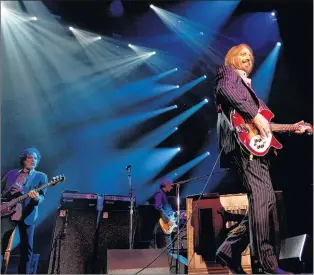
[[35, 180]]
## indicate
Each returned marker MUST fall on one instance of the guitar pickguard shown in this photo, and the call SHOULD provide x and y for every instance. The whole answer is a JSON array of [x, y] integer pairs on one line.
[[259, 144]]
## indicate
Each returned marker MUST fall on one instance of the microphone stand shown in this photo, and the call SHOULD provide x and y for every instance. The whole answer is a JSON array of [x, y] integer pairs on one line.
[[200, 177], [131, 208]]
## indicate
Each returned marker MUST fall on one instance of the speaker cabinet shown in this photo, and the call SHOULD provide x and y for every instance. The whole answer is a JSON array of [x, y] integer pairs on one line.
[[114, 229], [73, 242], [130, 261], [112, 233], [147, 216]]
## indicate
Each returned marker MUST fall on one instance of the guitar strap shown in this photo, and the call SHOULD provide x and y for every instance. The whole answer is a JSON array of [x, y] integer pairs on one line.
[[222, 117]]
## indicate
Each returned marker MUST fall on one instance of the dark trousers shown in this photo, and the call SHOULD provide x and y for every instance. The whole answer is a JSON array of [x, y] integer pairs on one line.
[[160, 239], [254, 229], [26, 242]]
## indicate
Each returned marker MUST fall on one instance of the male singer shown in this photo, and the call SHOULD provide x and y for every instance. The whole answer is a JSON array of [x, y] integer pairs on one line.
[[233, 91]]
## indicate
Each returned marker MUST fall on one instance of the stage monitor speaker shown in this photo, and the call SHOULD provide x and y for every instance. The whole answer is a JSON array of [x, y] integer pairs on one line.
[[73, 243], [296, 254], [131, 261]]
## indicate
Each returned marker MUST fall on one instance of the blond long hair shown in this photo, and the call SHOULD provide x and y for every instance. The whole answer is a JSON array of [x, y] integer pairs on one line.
[[233, 52]]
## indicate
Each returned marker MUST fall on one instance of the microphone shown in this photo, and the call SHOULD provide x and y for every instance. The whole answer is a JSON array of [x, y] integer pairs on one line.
[[128, 167]]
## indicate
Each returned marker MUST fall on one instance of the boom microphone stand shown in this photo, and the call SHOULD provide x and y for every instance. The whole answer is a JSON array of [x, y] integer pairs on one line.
[[128, 168]]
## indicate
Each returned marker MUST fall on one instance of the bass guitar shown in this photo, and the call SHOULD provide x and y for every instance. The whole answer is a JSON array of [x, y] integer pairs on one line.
[[8, 208], [249, 137]]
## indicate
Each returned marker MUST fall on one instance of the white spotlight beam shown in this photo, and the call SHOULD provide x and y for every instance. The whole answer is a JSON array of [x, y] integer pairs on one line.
[[194, 35], [85, 38], [189, 31]]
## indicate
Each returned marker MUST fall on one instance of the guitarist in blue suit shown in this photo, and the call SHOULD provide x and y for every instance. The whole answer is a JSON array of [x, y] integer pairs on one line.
[[15, 183], [165, 210]]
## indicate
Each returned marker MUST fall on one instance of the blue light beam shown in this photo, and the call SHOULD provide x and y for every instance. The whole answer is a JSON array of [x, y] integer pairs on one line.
[[180, 171], [263, 77], [164, 131]]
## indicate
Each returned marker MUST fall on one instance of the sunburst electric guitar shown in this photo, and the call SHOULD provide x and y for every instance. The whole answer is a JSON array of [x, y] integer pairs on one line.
[[249, 137], [8, 208], [168, 229]]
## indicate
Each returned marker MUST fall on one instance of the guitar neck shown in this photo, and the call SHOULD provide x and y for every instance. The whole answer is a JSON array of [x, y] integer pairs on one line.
[[23, 197], [283, 127]]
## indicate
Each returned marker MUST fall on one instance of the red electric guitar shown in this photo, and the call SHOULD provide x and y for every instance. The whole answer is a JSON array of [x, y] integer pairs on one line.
[[248, 135]]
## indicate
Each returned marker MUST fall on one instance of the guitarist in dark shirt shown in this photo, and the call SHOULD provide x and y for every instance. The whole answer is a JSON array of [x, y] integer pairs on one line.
[[14, 183], [161, 239]]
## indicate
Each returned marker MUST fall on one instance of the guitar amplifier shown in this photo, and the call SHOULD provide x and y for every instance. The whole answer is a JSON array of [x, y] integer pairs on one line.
[[117, 203], [77, 200]]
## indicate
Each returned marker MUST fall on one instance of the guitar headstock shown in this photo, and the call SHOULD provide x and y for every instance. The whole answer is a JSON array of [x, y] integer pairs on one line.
[[308, 128], [55, 180]]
